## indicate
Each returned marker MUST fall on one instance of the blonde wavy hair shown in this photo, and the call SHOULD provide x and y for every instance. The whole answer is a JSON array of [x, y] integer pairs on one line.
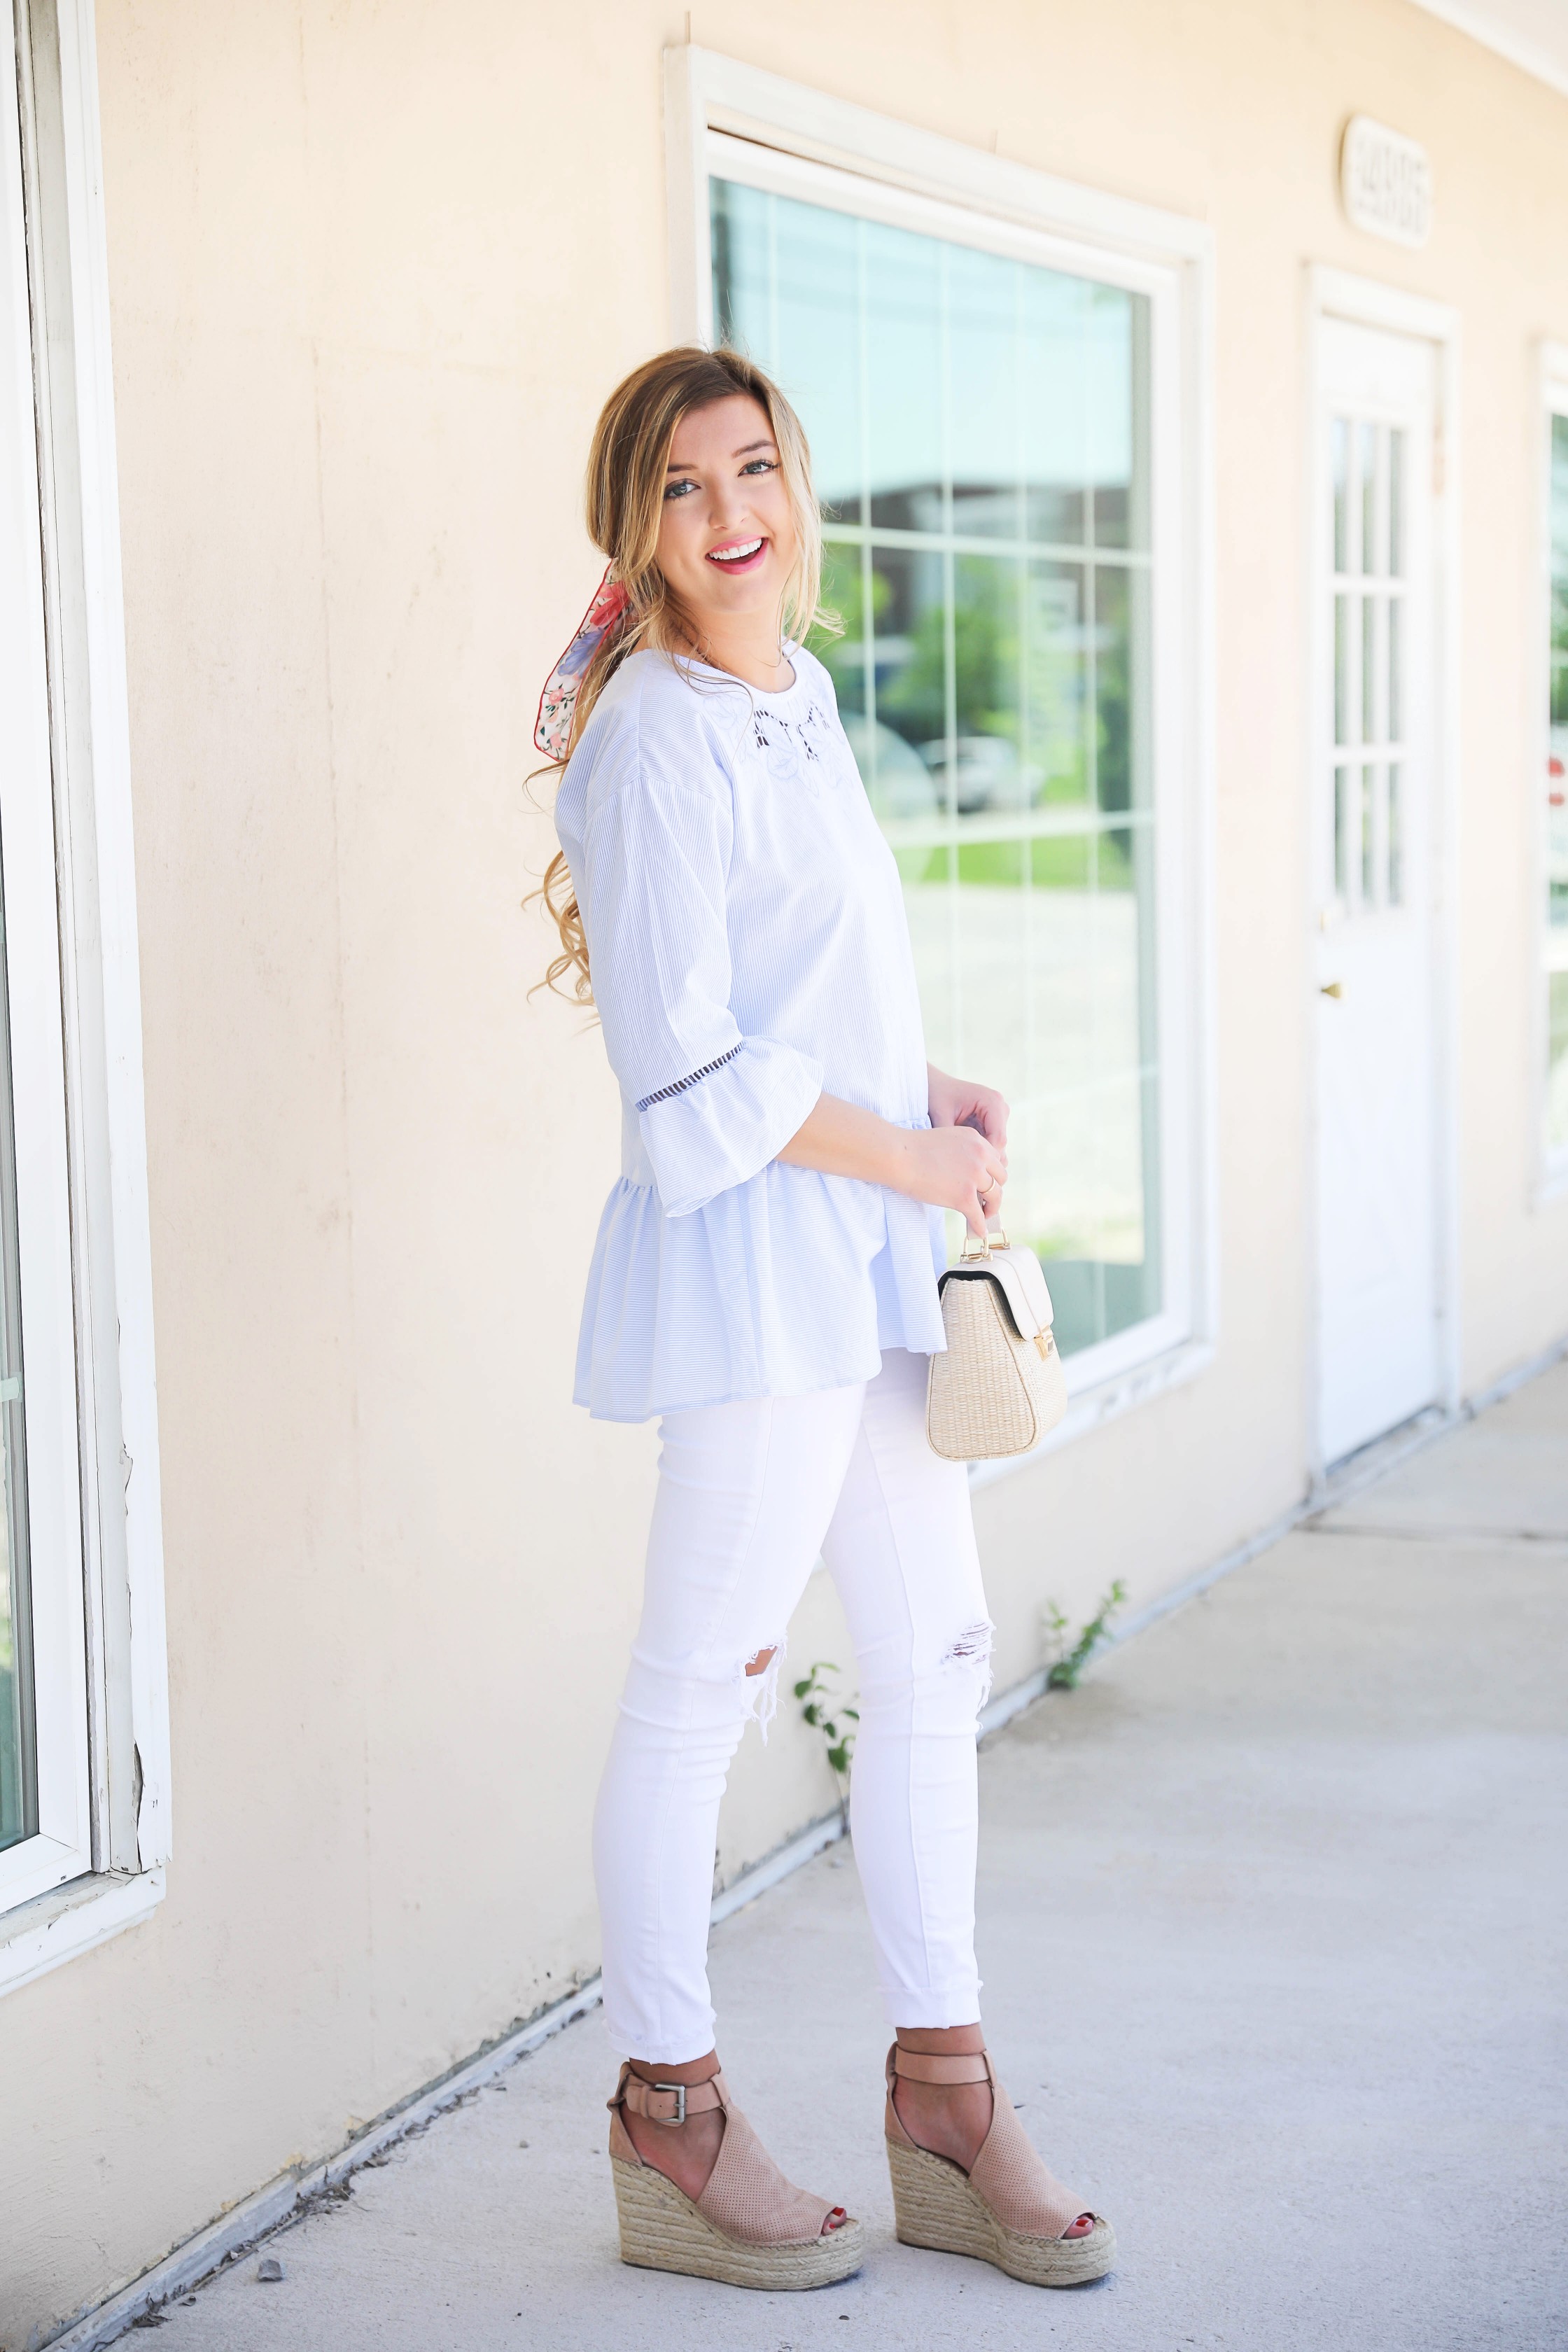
[[625, 503]]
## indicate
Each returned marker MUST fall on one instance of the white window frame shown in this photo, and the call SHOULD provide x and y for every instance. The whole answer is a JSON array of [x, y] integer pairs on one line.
[[1550, 400], [736, 122], [96, 1864]]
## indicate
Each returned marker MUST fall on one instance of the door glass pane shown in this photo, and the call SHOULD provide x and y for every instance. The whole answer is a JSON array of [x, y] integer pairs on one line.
[[1557, 803], [1368, 836], [1342, 834], [1342, 669], [1396, 501], [1368, 669], [1395, 624], [1395, 839], [996, 697], [1366, 475], [1339, 463]]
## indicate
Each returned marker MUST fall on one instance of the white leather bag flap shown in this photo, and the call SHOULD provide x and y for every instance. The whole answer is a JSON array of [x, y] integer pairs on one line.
[[1023, 1286]]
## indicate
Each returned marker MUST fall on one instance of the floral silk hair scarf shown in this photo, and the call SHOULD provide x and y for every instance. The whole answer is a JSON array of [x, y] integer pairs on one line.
[[558, 702]]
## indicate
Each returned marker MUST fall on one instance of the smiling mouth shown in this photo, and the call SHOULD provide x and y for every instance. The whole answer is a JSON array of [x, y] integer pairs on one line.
[[741, 555]]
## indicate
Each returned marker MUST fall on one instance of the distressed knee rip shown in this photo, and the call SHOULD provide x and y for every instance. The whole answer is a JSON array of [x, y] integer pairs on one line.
[[759, 1676], [971, 1649]]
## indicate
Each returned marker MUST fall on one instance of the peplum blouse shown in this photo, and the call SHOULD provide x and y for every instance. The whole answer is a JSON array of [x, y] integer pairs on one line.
[[750, 950]]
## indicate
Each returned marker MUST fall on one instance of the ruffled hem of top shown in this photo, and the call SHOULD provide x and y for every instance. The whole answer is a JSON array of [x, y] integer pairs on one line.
[[685, 1311]]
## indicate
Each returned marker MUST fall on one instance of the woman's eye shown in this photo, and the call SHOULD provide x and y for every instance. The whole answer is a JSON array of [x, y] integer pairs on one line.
[[762, 466], [679, 490]]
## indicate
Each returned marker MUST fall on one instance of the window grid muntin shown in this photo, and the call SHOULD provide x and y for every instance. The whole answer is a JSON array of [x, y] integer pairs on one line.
[[1092, 556]]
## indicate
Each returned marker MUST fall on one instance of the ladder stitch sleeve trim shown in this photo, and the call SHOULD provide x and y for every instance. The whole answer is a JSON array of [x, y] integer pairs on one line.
[[681, 1084]]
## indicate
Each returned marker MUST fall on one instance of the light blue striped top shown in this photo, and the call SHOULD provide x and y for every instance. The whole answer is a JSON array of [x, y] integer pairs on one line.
[[749, 947]]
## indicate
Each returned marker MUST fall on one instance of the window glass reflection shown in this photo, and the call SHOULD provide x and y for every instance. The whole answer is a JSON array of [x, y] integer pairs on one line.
[[904, 293], [986, 395], [1056, 747], [1054, 339], [1115, 366], [986, 505]]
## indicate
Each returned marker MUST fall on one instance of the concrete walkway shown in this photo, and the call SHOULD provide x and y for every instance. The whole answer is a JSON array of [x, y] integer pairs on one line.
[[1274, 1915]]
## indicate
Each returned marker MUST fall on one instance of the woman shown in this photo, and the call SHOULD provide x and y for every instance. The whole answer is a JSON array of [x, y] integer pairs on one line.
[[765, 1280]]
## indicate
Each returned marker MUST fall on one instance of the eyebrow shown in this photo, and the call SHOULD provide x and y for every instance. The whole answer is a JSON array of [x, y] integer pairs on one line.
[[750, 450]]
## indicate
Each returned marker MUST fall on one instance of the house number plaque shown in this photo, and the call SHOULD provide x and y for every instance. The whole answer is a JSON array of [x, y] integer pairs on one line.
[[1386, 181]]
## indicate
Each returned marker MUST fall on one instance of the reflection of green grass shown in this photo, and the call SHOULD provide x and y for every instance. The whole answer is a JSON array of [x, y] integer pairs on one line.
[[1063, 861], [992, 861], [838, 637], [921, 865], [1069, 861]]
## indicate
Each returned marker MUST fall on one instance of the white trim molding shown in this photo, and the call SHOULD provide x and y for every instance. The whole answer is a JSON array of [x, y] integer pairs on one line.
[[74, 1919], [115, 1401], [1531, 34], [704, 91], [726, 118]]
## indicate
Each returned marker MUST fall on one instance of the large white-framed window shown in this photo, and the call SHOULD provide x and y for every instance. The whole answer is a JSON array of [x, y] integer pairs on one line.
[[1002, 381], [83, 1712], [1553, 829]]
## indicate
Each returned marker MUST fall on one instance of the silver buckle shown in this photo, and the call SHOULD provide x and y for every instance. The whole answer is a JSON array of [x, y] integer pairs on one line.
[[679, 2115]]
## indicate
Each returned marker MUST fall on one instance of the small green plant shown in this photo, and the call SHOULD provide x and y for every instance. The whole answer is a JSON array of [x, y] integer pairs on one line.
[[1067, 1665], [815, 1699]]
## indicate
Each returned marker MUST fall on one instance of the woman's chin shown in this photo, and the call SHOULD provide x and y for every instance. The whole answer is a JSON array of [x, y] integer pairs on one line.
[[749, 595]]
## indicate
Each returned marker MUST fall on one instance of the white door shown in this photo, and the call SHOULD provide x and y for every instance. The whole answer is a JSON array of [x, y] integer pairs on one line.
[[1377, 1128]]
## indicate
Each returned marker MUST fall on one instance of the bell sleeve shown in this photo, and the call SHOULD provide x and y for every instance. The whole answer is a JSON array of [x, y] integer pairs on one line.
[[714, 1105]]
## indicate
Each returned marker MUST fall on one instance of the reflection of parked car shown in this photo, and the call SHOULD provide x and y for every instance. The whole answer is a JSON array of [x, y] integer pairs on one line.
[[898, 782], [987, 775]]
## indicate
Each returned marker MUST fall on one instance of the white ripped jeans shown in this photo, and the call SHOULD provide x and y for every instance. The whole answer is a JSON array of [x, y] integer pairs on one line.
[[749, 1494]]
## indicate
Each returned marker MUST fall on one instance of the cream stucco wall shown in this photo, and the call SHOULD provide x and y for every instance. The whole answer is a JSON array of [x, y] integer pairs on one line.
[[373, 269]]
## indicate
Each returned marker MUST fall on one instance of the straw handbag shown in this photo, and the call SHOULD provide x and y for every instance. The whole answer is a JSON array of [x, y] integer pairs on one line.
[[1000, 1386]]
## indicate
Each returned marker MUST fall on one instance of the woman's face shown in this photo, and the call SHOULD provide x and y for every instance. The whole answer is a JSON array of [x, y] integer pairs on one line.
[[726, 538]]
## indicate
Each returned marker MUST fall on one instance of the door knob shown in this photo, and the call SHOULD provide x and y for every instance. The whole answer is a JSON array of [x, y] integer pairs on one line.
[[1336, 987]]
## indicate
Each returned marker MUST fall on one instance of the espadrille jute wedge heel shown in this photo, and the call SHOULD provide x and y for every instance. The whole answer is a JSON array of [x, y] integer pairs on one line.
[[1008, 2208], [749, 2227]]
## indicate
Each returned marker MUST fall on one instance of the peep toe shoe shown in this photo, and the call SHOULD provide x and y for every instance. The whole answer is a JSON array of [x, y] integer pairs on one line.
[[1008, 2208], [750, 2226]]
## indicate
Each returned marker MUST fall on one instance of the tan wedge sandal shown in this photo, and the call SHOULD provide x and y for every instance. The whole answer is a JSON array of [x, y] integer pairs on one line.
[[1008, 2208], [749, 2227]]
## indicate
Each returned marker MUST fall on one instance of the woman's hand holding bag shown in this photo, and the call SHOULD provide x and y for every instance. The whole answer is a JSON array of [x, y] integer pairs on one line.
[[1000, 1386]]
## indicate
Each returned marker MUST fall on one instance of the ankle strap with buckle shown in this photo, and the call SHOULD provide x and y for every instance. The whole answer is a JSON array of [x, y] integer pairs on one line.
[[918, 2066], [667, 2103]]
